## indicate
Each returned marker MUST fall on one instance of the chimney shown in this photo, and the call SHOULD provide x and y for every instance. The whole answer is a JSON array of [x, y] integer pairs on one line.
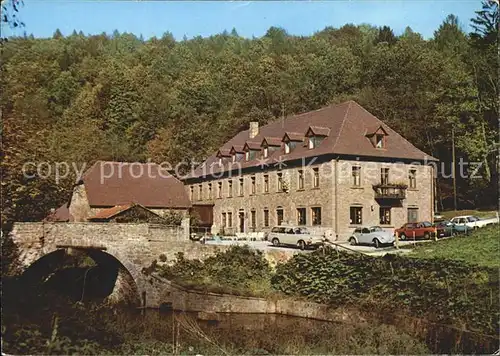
[[254, 129]]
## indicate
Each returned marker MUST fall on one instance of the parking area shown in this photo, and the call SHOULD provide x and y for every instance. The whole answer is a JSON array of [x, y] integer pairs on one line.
[[344, 245]]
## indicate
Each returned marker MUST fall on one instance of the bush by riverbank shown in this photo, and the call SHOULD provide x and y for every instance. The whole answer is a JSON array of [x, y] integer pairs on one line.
[[240, 270]]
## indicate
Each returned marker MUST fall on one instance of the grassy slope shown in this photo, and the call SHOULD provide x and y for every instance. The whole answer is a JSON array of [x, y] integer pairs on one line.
[[479, 213], [481, 247]]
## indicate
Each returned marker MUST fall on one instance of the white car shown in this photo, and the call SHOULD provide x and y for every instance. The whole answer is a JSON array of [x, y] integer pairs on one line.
[[473, 222], [373, 235], [294, 236]]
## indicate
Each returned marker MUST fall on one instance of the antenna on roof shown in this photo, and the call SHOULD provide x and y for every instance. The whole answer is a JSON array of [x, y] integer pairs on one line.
[[282, 115]]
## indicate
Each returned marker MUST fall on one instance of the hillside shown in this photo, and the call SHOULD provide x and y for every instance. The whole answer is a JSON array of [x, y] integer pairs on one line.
[[77, 99], [480, 247]]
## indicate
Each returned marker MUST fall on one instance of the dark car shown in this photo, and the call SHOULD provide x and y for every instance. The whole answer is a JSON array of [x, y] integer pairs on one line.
[[450, 228]]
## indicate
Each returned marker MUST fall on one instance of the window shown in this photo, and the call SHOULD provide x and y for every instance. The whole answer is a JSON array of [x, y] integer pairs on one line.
[[223, 222], [412, 215], [266, 183], [250, 154], [253, 222], [316, 177], [280, 182], [316, 216], [229, 219], [253, 185], [209, 190], [241, 187], [315, 141], [230, 188], [220, 161], [219, 190], [191, 193], [301, 179], [301, 216], [379, 141], [412, 176], [200, 192], [266, 217], [356, 214], [385, 216], [356, 176], [287, 147], [279, 215], [266, 152], [384, 176]]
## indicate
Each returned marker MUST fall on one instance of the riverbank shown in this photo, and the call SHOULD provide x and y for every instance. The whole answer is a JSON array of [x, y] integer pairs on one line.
[[43, 323]]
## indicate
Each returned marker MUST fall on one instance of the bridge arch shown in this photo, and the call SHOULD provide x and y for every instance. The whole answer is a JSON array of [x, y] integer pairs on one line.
[[107, 277]]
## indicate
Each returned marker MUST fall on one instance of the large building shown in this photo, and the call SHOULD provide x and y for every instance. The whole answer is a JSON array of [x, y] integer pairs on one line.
[[333, 169]]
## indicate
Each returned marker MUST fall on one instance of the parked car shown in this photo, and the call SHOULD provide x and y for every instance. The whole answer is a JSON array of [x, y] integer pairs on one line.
[[451, 229], [438, 217], [297, 236], [422, 229], [373, 235], [473, 222]]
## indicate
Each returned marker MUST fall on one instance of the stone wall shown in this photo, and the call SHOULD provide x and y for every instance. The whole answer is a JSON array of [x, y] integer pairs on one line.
[[335, 195], [362, 195], [193, 301], [135, 246], [307, 197]]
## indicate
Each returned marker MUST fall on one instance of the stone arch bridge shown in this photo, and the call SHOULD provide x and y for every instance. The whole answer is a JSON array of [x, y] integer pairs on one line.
[[125, 251]]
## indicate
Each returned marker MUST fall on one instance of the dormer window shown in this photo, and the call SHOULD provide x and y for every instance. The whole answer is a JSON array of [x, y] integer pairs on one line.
[[222, 155], [237, 153], [269, 145], [315, 141], [251, 150], [315, 135], [378, 137], [291, 139]]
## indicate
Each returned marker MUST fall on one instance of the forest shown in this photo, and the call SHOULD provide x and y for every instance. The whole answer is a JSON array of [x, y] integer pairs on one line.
[[82, 98]]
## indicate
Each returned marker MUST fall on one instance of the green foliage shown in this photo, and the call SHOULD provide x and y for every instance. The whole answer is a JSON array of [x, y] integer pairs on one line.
[[83, 98], [445, 291], [238, 270], [479, 248]]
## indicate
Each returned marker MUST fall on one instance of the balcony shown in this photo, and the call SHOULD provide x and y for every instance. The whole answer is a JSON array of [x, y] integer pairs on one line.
[[390, 191]]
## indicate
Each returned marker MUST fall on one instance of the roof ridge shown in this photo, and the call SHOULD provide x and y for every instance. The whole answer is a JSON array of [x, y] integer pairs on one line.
[[342, 124]]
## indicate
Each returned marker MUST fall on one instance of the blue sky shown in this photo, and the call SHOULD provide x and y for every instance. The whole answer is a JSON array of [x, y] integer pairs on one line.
[[192, 18]]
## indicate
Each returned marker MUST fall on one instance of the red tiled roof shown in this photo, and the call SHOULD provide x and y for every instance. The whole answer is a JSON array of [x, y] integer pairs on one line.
[[110, 212], [319, 131], [122, 183], [237, 149], [272, 141], [294, 136], [224, 153], [348, 123], [252, 145]]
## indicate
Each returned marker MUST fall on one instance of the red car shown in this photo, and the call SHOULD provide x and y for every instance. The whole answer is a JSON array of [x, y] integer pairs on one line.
[[418, 230]]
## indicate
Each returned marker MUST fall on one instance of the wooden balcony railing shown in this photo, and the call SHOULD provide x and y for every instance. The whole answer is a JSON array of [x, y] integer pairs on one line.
[[390, 191]]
